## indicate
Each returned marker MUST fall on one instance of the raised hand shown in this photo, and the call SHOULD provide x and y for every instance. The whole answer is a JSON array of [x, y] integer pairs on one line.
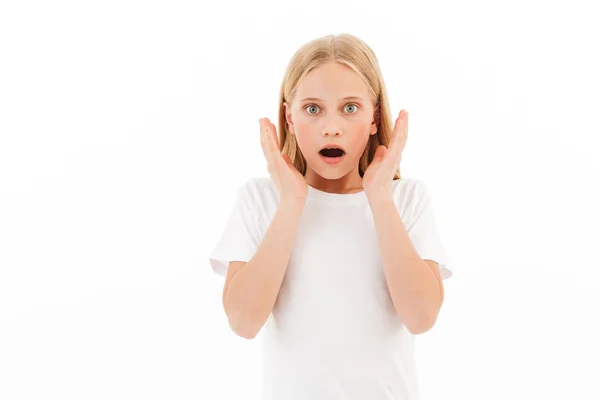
[[290, 182], [377, 179]]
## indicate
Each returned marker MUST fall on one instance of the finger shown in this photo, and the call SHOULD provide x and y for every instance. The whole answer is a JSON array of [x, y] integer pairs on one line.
[[272, 132], [276, 158], [398, 132], [394, 133], [263, 135], [275, 140], [401, 139], [265, 141], [395, 146]]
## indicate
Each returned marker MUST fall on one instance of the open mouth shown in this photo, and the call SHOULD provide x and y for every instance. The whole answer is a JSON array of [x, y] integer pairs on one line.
[[332, 156], [332, 153]]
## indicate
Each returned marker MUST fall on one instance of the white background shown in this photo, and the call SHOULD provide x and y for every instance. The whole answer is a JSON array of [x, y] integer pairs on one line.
[[127, 127]]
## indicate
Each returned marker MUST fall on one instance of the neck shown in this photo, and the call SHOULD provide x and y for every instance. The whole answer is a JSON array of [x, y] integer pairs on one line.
[[346, 184]]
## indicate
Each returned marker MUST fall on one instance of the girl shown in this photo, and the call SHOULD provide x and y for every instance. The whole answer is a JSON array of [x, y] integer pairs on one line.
[[335, 255]]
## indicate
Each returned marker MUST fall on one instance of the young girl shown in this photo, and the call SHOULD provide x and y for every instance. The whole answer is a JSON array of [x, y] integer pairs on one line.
[[335, 258]]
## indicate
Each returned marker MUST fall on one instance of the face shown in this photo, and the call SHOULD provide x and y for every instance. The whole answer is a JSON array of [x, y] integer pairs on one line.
[[328, 118]]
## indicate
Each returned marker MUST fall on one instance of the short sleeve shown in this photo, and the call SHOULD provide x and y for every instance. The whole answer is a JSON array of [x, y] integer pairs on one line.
[[423, 231], [239, 240]]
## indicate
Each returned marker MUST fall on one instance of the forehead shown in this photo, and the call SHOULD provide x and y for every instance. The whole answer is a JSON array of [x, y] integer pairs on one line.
[[332, 81]]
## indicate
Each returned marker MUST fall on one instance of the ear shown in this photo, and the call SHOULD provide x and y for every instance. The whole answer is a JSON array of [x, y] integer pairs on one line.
[[375, 120], [373, 128], [288, 116]]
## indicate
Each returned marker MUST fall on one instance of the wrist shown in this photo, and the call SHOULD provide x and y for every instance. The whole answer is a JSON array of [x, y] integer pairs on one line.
[[376, 199], [292, 204]]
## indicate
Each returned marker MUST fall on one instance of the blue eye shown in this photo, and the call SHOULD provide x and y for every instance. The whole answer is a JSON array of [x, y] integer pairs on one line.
[[315, 106], [352, 105]]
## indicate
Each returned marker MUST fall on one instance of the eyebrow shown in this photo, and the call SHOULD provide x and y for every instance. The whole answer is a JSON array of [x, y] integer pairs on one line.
[[345, 98]]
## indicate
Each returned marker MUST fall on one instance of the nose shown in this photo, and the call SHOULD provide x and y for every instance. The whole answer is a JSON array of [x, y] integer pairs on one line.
[[331, 126], [331, 131]]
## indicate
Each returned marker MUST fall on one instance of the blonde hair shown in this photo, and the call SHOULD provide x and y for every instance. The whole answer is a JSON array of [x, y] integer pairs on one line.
[[348, 50]]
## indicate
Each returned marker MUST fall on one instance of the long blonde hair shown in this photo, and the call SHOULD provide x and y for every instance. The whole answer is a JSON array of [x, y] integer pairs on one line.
[[351, 51]]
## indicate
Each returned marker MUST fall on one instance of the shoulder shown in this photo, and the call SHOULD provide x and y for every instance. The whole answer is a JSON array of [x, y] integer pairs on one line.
[[262, 191], [261, 186], [410, 195], [410, 190], [406, 190], [258, 182], [253, 185]]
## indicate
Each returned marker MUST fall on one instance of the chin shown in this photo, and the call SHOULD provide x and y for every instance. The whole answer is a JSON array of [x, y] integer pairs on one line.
[[331, 172], [331, 175]]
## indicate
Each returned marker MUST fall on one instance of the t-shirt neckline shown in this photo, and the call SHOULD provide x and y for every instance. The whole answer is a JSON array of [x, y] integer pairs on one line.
[[336, 198]]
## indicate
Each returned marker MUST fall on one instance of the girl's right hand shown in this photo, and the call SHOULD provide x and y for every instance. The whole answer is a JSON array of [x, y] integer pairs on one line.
[[290, 182]]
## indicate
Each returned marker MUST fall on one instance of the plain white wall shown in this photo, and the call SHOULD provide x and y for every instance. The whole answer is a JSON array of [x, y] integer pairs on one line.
[[127, 127]]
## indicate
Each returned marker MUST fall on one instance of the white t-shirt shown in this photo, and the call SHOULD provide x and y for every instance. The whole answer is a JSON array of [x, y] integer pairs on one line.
[[333, 333]]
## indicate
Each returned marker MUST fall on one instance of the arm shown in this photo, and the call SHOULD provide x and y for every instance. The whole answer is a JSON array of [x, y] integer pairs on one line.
[[251, 294], [414, 287]]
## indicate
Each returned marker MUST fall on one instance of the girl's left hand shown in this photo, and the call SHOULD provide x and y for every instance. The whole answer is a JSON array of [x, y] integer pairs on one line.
[[377, 179]]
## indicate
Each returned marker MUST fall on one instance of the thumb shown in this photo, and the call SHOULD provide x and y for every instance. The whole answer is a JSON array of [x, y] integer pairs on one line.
[[380, 153], [287, 159]]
